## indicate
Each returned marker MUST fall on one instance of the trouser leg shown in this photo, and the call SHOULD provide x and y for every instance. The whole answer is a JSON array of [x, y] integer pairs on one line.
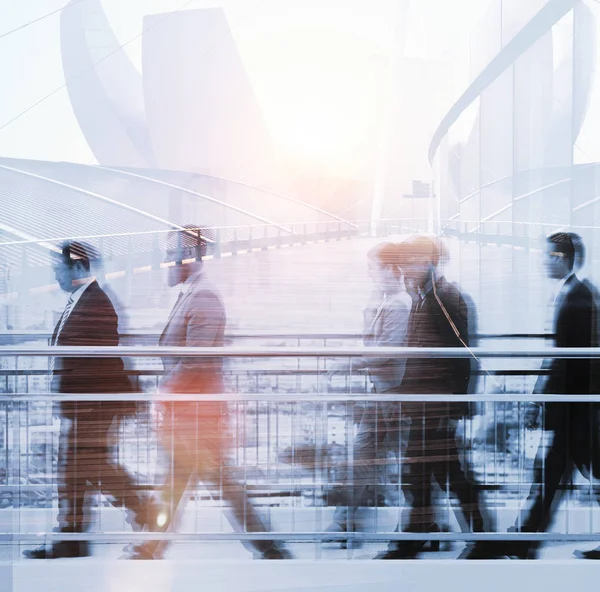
[[451, 476], [113, 480], [214, 471], [178, 442], [361, 475], [78, 453], [418, 513], [549, 467]]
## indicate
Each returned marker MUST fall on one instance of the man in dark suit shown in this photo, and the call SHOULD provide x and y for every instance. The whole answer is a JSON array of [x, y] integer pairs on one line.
[[593, 470], [194, 433], [574, 325], [439, 318], [85, 451]]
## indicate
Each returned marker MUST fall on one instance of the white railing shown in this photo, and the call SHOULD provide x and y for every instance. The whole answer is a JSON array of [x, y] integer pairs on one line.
[[274, 407]]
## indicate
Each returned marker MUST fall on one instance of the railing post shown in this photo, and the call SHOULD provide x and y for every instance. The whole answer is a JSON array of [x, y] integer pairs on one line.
[[250, 239], [339, 231], [304, 234], [156, 254], [217, 244], [278, 242], [234, 244], [129, 270], [24, 283]]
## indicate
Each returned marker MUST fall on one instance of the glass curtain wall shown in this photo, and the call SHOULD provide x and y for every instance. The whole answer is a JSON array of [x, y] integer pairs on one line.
[[510, 169]]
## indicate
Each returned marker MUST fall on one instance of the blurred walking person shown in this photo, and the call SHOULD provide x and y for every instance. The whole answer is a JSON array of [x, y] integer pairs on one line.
[[592, 471], [385, 324], [574, 324], [85, 455], [194, 433], [439, 318]]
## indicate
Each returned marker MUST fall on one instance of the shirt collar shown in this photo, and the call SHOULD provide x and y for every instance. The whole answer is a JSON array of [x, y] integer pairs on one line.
[[77, 294], [561, 283], [425, 289], [187, 285]]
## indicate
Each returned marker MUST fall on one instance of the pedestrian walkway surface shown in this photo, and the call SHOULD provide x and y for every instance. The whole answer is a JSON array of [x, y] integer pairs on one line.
[[101, 574]]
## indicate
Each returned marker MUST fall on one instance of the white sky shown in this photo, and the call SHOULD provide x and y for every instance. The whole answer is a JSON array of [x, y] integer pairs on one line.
[[294, 31]]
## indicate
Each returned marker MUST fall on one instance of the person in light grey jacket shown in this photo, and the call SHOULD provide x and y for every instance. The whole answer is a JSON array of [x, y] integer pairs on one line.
[[194, 433], [385, 325]]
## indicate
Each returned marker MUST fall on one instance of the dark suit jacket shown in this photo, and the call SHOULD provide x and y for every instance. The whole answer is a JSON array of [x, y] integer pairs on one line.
[[574, 326], [197, 320], [92, 322], [429, 327]]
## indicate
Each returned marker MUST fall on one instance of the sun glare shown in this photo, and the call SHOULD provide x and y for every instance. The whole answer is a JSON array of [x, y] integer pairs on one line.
[[321, 99]]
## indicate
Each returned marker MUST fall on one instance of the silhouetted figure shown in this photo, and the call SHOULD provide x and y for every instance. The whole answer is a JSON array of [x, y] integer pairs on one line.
[[385, 324], [574, 325], [194, 434], [85, 450], [439, 318]]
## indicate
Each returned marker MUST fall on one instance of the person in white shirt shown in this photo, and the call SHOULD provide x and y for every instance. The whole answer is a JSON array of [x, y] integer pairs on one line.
[[385, 324]]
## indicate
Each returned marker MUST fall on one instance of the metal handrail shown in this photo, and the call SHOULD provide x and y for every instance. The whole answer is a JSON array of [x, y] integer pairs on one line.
[[257, 370], [300, 352], [305, 397], [266, 335], [353, 223], [382, 536]]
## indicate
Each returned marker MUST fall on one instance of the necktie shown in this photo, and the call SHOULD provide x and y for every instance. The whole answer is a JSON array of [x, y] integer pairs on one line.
[[61, 324], [417, 308]]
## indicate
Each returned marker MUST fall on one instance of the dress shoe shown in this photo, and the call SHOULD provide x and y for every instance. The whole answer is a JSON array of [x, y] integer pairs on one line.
[[137, 553], [276, 554], [483, 550], [410, 549], [592, 554], [406, 550], [522, 549], [60, 550]]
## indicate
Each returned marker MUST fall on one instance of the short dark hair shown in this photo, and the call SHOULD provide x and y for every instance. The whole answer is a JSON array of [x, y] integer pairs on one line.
[[578, 246], [190, 236], [563, 244], [72, 252]]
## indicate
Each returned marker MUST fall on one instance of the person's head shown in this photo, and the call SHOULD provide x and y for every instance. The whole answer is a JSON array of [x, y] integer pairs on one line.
[[418, 256], [185, 248], [384, 269], [559, 255], [71, 264], [373, 261], [579, 247]]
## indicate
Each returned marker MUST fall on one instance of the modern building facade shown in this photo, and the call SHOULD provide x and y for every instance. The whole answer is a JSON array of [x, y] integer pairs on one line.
[[513, 155]]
